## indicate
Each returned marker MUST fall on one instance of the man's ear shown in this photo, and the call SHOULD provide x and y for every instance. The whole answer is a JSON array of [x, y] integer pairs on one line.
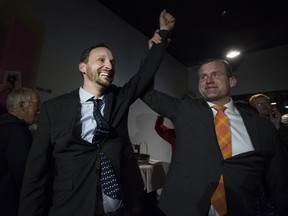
[[22, 106], [82, 67], [233, 81]]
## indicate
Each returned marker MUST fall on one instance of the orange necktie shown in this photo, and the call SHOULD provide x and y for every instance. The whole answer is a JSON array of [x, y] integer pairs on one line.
[[223, 132]]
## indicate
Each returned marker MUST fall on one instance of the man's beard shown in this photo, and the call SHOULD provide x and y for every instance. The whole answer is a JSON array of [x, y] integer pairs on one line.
[[94, 76], [102, 83]]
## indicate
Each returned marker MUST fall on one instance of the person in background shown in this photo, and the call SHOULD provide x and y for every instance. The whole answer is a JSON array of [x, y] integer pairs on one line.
[[283, 131], [16, 139], [263, 105], [284, 119], [199, 167], [165, 132], [72, 145]]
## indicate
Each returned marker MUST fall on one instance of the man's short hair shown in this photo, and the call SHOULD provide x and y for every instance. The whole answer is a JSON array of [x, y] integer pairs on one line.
[[85, 55], [228, 67]]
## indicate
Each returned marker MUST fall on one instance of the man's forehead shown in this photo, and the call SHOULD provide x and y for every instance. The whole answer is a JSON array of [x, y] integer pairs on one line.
[[260, 99], [100, 51], [212, 67]]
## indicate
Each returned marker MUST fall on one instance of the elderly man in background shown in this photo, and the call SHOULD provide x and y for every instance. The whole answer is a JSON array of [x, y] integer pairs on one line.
[[16, 139]]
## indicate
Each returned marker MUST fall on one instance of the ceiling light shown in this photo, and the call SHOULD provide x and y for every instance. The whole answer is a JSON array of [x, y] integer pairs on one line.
[[233, 54]]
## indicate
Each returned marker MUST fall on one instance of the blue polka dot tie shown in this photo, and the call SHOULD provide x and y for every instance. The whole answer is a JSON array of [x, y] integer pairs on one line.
[[109, 182]]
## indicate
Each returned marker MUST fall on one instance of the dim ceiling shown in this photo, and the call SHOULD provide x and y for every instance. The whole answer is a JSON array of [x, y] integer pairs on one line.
[[209, 28]]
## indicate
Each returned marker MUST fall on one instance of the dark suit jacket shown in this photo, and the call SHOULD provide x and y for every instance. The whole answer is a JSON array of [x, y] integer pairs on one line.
[[15, 142], [76, 163], [198, 163]]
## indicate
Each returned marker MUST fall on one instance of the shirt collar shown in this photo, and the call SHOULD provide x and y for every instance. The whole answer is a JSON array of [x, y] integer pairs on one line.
[[85, 95], [230, 105]]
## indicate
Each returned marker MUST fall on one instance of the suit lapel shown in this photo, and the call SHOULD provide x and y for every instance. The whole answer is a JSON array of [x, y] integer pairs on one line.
[[251, 127], [108, 106], [73, 109]]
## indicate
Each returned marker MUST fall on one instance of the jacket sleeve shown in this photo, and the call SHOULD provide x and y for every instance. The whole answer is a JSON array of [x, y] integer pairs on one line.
[[143, 79]]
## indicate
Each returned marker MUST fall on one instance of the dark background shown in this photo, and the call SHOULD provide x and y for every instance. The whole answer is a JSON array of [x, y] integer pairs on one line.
[[208, 28]]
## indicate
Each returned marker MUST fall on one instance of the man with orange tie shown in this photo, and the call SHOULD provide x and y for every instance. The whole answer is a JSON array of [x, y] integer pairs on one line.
[[223, 152]]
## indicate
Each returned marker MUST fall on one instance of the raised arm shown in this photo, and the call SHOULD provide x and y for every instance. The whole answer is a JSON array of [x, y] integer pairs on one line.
[[166, 22], [141, 81]]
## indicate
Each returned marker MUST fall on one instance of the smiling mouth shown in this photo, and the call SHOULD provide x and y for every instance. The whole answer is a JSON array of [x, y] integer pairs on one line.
[[211, 88], [106, 75]]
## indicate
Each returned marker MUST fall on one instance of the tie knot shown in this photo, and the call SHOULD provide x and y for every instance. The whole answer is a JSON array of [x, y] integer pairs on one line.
[[98, 103], [219, 108]]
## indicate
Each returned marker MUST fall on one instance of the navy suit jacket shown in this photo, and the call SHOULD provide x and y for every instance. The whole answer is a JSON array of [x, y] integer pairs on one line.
[[198, 163], [75, 162]]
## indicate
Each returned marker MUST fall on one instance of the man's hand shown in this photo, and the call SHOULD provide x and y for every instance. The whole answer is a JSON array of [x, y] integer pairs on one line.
[[155, 39], [166, 21], [275, 117]]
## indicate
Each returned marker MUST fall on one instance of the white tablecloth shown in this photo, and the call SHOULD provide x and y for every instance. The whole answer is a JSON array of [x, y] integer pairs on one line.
[[153, 176]]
